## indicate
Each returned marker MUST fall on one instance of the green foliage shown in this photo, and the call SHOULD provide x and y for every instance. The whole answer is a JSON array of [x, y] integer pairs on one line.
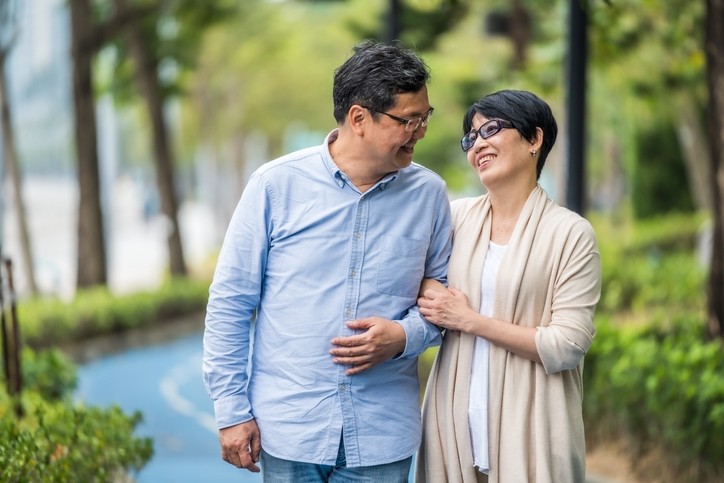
[[171, 35], [646, 60], [651, 377], [50, 373], [49, 322], [59, 442], [651, 266], [659, 181], [660, 386], [421, 23]]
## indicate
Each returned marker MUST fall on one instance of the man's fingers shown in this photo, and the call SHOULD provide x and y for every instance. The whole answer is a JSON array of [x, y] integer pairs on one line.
[[244, 458], [248, 461], [255, 449], [349, 341], [241, 445], [232, 458], [358, 368]]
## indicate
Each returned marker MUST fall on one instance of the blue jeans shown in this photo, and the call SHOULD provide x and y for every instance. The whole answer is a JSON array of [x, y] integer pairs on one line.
[[276, 470]]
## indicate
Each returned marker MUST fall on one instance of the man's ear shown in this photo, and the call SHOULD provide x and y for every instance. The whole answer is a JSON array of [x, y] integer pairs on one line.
[[357, 118]]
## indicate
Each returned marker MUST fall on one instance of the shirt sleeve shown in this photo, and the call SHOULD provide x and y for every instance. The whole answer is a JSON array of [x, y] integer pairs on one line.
[[421, 334], [566, 340], [233, 298]]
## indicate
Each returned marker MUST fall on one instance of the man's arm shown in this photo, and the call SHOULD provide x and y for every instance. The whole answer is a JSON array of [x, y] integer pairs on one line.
[[421, 334], [233, 298]]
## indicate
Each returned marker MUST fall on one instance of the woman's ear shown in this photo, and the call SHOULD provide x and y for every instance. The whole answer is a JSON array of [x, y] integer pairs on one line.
[[537, 140]]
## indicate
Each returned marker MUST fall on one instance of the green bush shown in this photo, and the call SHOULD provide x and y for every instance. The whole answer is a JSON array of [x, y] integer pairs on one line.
[[657, 184], [651, 377], [92, 312], [58, 442], [651, 265], [660, 386], [49, 373]]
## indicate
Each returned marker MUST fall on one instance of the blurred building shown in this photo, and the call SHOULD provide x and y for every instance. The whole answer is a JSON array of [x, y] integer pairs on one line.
[[39, 79]]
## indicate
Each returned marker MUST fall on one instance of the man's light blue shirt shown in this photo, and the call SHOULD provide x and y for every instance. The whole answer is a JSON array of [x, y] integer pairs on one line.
[[304, 253]]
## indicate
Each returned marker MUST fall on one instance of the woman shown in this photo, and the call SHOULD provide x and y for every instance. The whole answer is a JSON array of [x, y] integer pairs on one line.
[[504, 398]]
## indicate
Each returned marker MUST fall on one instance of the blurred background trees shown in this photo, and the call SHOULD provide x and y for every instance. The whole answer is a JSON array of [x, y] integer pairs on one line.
[[130, 127], [203, 92], [9, 31], [714, 40]]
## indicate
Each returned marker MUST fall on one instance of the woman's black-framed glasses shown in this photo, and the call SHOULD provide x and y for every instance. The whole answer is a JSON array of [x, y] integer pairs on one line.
[[411, 125], [490, 128]]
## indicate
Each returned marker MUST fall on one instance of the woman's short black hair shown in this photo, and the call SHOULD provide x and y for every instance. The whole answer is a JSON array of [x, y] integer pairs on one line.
[[374, 75], [525, 111]]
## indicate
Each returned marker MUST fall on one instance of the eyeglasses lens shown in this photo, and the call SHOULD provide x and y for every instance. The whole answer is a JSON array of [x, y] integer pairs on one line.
[[414, 124], [490, 128]]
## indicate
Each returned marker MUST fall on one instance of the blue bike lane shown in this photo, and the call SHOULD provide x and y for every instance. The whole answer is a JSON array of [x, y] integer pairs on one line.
[[164, 383]]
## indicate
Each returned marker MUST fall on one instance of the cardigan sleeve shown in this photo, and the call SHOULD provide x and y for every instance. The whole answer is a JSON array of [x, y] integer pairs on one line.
[[564, 342]]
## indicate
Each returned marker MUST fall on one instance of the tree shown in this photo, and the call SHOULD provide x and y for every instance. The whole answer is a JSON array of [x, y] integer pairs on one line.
[[168, 35], [87, 38], [415, 26], [714, 46], [645, 52], [91, 267], [10, 154], [141, 38]]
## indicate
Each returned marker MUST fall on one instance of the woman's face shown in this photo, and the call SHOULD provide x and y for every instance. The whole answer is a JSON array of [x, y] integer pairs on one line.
[[503, 159]]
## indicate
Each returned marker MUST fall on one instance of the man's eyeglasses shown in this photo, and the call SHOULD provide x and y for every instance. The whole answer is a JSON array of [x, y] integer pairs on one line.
[[411, 125], [490, 128]]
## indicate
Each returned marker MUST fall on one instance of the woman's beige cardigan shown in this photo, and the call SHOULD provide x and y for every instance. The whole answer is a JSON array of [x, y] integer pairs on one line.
[[550, 279]]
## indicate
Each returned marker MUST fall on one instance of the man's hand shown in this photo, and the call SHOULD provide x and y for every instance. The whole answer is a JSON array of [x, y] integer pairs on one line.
[[381, 340], [241, 445]]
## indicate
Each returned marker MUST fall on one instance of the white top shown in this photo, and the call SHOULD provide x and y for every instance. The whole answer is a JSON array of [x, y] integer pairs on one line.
[[478, 402]]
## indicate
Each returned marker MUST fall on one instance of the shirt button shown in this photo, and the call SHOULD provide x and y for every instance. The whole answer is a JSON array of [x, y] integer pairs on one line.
[[357, 235], [342, 387], [348, 312], [353, 273]]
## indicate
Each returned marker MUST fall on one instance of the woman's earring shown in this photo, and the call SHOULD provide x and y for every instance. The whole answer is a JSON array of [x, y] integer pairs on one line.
[[534, 152]]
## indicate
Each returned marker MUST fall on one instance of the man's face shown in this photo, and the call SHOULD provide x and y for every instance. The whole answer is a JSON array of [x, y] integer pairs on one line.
[[391, 139]]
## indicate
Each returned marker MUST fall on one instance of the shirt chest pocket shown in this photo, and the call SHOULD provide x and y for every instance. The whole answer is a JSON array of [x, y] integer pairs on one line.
[[402, 266]]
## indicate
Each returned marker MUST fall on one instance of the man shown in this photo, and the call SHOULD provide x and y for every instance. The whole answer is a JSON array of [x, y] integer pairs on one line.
[[323, 260]]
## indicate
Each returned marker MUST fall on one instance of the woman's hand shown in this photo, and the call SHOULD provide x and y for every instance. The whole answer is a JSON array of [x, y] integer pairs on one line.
[[446, 308]]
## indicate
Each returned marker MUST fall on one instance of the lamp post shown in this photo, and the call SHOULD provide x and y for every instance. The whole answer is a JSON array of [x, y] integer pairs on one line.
[[576, 106], [393, 21]]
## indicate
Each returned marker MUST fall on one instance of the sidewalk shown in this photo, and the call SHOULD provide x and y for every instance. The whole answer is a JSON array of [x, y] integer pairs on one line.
[[606, 463]]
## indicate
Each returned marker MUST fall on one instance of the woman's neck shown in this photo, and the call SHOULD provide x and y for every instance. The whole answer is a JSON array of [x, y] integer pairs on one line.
[[506, 208]]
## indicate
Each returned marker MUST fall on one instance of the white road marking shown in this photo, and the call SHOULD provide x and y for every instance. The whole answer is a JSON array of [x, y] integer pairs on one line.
[[169, 388]]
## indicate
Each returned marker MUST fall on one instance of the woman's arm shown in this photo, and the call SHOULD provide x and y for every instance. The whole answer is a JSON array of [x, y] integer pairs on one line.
[[450, 309]]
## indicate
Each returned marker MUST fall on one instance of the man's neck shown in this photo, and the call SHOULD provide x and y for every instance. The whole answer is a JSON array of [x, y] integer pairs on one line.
[[357, 169]]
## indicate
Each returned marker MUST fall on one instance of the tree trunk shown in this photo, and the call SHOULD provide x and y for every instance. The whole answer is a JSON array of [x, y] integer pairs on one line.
[[519, 32], [694, 147], [13, 169], [163, 156], [147, 78], [714, 39], [91, 244]]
